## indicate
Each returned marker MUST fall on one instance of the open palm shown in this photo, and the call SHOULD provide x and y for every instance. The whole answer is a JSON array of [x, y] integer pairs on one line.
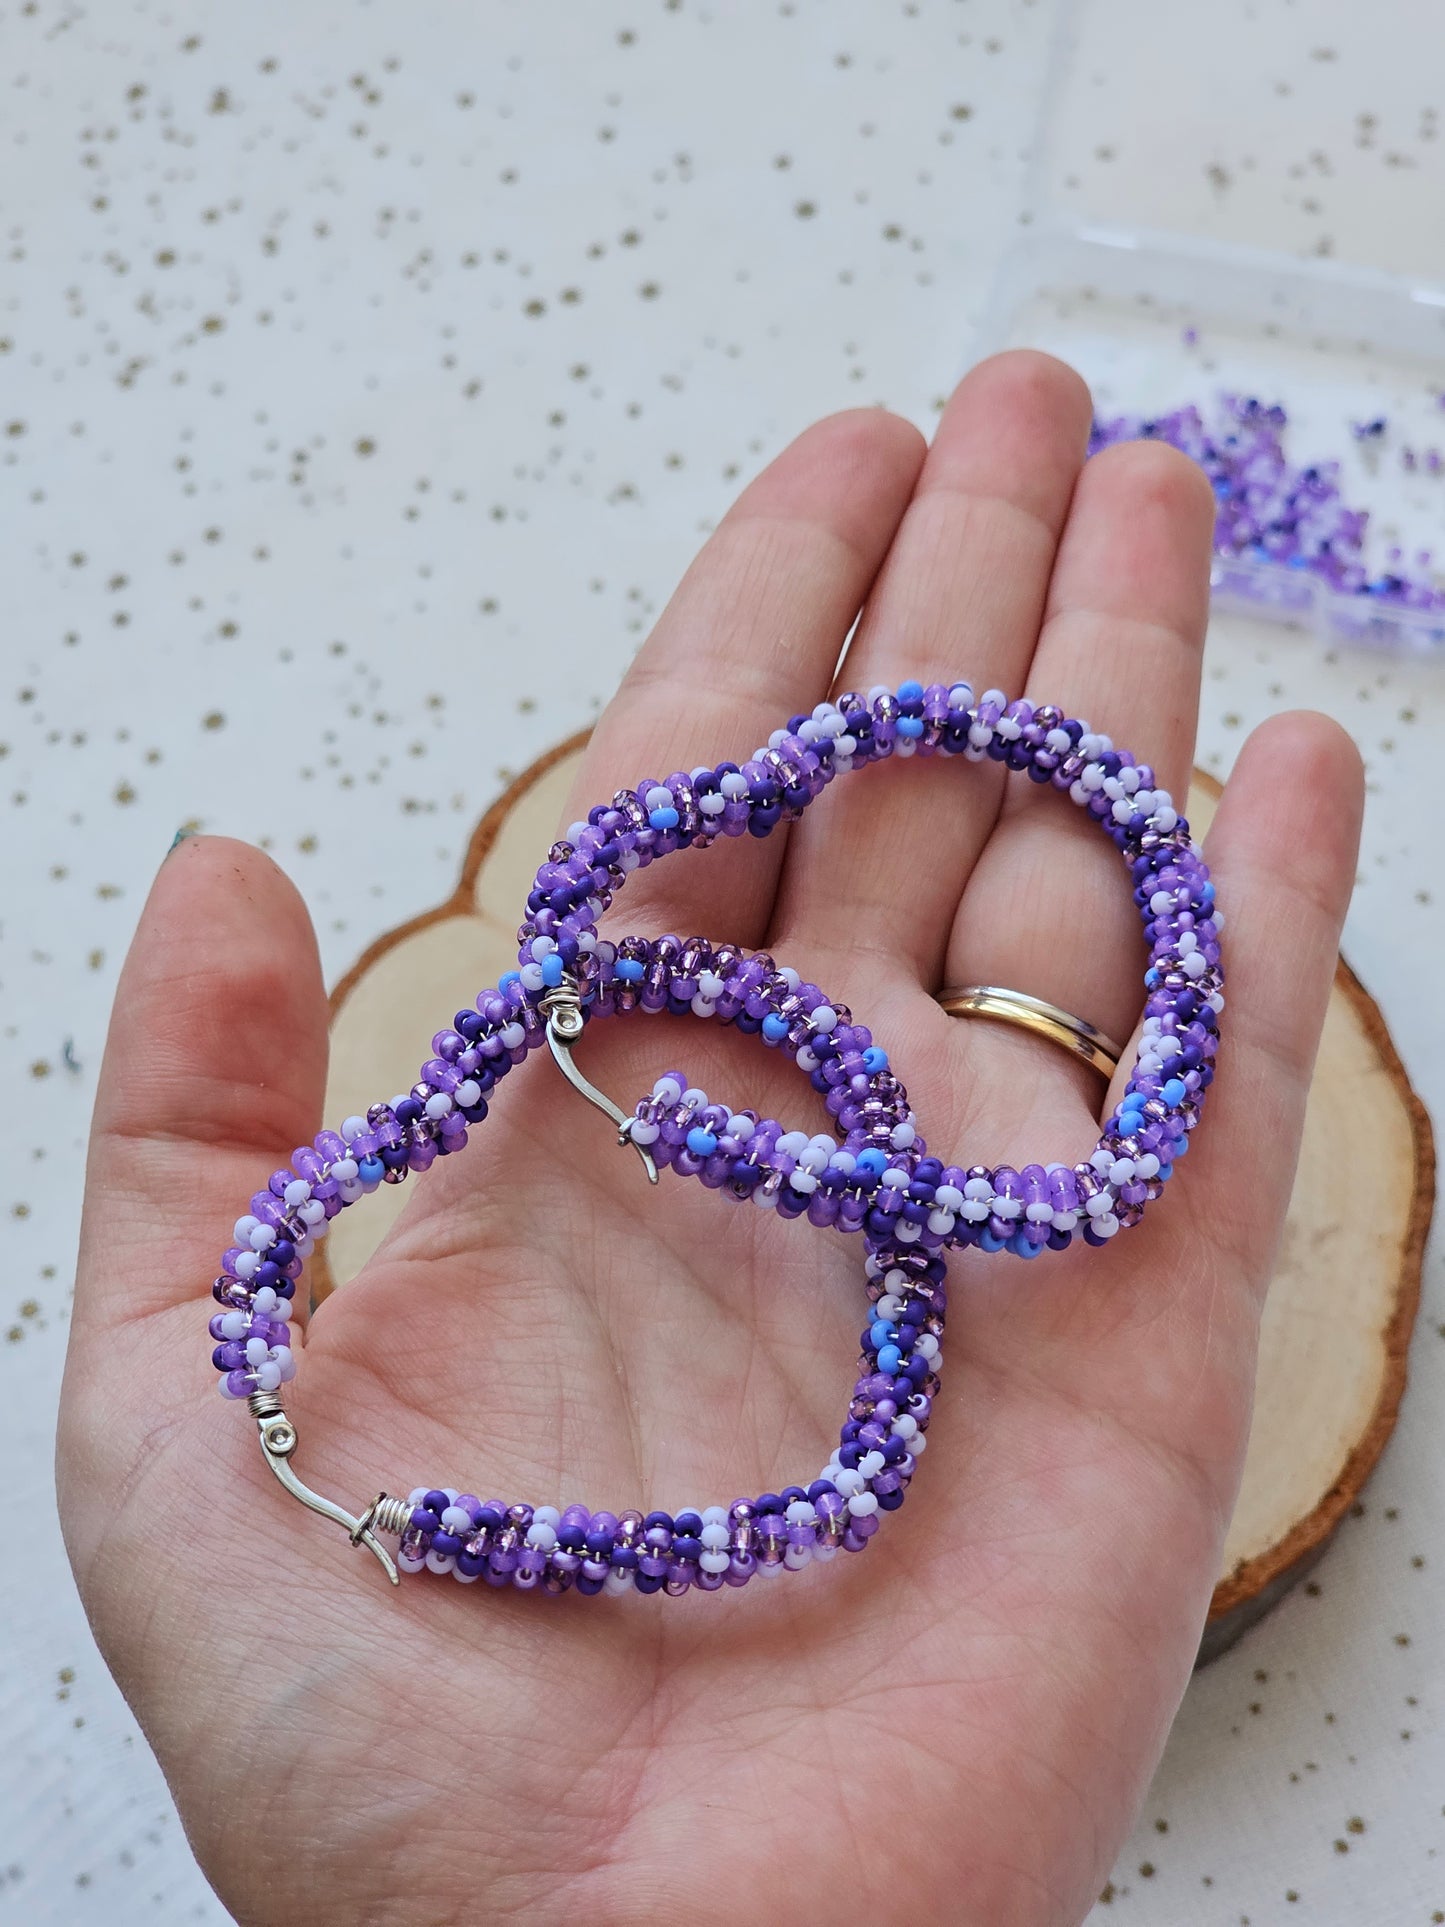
[[956, 1727]]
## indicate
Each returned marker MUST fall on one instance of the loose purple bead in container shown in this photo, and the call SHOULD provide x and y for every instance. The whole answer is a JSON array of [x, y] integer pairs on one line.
[[1287, 541]]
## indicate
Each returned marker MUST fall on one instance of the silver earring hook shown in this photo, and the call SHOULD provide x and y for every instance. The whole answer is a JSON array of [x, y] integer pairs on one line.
[[278, 1442], [565, 1023]]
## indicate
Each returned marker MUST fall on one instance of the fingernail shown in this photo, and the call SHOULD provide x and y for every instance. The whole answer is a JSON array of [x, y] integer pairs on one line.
[[180, 837]]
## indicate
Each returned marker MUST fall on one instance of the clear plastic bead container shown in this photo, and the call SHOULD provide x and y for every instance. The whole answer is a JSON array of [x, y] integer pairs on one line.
[[1156, 322]]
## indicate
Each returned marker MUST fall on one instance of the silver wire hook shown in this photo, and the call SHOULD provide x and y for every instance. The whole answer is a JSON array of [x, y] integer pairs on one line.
[[564, 1027], [278, 1442]]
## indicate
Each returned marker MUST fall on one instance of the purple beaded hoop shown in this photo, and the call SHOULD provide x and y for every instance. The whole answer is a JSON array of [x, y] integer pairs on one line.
[[909, 1206]]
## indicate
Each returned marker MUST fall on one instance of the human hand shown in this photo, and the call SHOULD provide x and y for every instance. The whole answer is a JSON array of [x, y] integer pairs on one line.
[[958, 1727]]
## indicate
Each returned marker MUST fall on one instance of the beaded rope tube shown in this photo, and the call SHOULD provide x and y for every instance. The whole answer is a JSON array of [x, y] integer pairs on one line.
[[879, 1181]]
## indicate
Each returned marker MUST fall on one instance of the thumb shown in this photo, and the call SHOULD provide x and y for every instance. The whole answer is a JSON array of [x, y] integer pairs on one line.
[[215, 1066]]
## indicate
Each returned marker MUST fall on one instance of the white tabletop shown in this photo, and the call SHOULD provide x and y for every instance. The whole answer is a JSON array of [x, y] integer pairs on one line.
[[358, 357]]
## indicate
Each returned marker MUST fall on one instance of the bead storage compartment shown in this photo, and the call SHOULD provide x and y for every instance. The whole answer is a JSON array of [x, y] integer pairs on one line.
[[1317, 394]]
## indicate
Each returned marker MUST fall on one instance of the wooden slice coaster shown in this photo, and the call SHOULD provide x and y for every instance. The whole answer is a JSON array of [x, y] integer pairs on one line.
[[1340, 1311]]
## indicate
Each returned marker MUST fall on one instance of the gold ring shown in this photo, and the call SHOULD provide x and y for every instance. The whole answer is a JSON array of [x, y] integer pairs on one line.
[[1101, 1053]]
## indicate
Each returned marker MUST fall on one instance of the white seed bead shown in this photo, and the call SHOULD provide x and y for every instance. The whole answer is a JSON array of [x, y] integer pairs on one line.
[[862, 1503], [714, 1561]]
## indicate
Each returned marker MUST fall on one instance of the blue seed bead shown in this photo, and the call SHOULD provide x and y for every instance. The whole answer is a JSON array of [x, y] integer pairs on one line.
[[872, 1160], [910, 692], [988, 1242], [552, 970], [1173, 1092], [371, 1170], [508, 978], [880, 1333], [875, 1060], [663, 819], [889, 1358], [909, 725], [701, 1143], [775, 1028], [1166, 1170], [630, 970]]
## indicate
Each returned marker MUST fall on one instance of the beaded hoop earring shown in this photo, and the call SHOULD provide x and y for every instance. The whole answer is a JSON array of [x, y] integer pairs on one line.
[[909, 1207], [883, 1434]]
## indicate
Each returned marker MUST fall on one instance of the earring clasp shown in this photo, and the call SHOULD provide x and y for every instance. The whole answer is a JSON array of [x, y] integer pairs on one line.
[[565, 1023]]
